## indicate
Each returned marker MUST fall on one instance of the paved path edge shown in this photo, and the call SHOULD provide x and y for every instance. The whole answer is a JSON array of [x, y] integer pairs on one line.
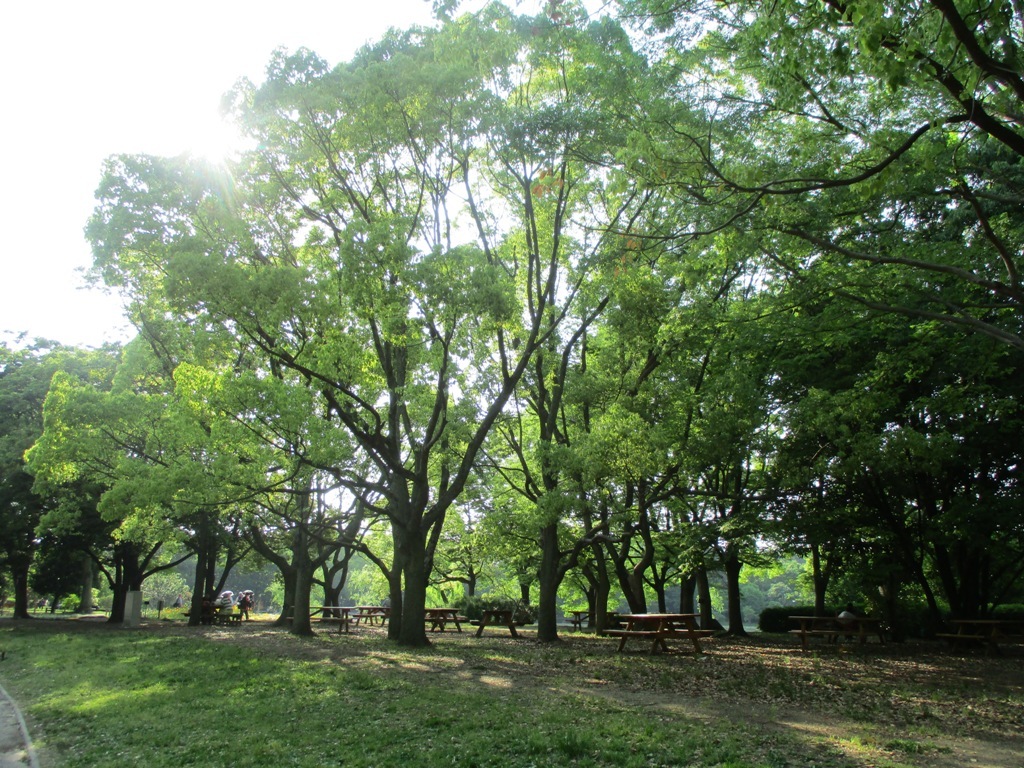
[[7, 703]]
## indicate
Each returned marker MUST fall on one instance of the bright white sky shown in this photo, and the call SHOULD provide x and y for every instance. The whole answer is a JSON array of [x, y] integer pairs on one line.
[[82, 80]]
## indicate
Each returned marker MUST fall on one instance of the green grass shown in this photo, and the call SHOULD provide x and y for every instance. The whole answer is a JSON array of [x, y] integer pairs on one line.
[[115, 697]]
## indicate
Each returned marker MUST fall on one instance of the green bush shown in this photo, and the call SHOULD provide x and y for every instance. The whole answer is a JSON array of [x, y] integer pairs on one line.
[[1009, 612], [473, 608], [776, 618]]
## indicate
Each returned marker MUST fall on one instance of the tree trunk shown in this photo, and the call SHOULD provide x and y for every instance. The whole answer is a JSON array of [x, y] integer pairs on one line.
[[707, 616], [19, 577], [201, 587], [85, 590], [409, 580], [412, 631], [602, 589], [687, 587], [733, 566], [548, 578], [820, 576], [303, 580]]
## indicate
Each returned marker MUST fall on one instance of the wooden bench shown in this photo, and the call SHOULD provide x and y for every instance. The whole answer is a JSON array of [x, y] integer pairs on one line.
[[440, 618], [341, 621], [831, 634], [990, 632], [633, 633], [659, 627], [496, 617], [832, 628], [577, 618], [371, 614]]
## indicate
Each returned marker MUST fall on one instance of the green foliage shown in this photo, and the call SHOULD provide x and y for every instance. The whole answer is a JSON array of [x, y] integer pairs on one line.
[[473, 607], [776, 619], [645, 312]]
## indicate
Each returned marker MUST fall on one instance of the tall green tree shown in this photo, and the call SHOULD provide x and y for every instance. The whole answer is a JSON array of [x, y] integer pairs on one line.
[[378, 247], [875, 142], [25, 376]]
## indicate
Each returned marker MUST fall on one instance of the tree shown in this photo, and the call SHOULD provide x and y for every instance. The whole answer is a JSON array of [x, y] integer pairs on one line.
[[119, 437], [903, 438], [342, 258], [25, 376], [874, 142]]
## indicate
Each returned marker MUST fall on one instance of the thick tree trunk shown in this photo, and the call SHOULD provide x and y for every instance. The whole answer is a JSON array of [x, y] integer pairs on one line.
[[602, 589], [733, 566], [409, 583], [548, 578], [687, 588], [201, 588], [412, 631], [707, 616], [85, 606], [820, 576], [19, 577], [303, 580]]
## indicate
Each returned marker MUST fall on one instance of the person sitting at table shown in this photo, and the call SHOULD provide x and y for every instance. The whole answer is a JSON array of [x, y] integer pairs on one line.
[[847, 619], [209, 608]]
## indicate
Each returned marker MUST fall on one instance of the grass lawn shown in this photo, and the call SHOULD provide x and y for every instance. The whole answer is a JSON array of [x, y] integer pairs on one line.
[[170, 695]]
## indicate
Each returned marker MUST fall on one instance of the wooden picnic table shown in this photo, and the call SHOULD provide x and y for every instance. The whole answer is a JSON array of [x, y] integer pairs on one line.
[[990, 632], [440, 618], [495, 617], [658, 627], [832, 627], [334, 614], [578, 617], [227, 618], [371, 614]]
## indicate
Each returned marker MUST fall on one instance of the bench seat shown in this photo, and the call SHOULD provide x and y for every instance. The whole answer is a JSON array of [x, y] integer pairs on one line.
[[955, 636], [826, 632], [635, 632], [342, 622]]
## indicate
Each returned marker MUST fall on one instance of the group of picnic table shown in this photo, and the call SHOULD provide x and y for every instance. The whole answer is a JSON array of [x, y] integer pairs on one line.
[[963, 632], [660, 627], [440, 619]]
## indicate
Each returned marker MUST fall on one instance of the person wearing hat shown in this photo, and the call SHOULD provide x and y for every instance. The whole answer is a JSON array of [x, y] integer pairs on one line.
[[226, 601], [245, 602]]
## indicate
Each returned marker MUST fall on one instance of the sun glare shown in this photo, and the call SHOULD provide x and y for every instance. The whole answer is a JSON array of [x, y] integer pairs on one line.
[[214, 139]]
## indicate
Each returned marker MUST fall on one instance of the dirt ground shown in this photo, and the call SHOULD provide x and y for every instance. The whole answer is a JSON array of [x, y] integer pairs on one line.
[[915, 703]]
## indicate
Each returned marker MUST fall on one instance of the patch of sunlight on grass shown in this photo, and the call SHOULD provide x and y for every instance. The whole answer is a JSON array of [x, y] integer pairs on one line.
[[495, 682], [869, 750], [86, 699]]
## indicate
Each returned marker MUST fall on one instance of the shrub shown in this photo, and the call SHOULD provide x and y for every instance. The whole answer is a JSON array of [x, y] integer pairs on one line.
[[1009, 612], [776, 618], [473, 608]]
